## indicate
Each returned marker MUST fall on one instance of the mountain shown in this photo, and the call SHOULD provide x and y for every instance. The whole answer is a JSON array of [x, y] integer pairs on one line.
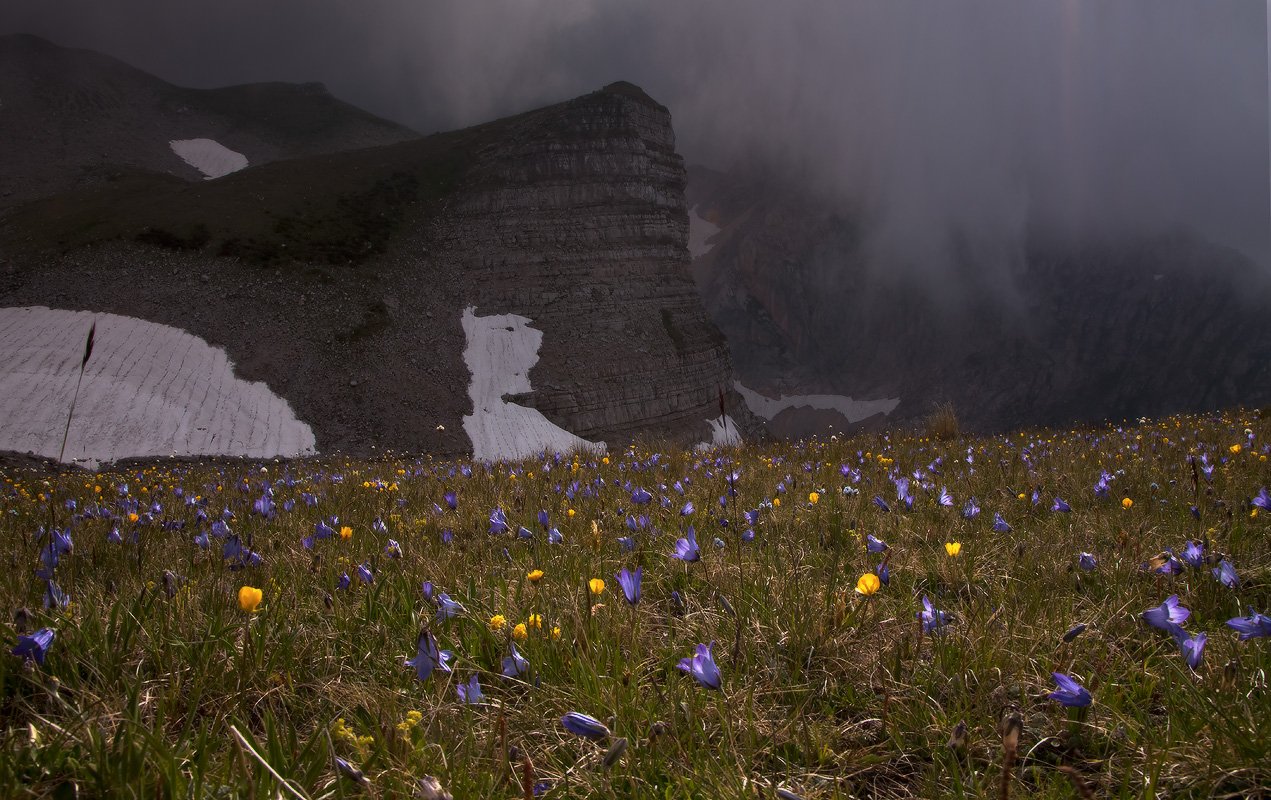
[[1077, 331], [421, 295], [75, 117]]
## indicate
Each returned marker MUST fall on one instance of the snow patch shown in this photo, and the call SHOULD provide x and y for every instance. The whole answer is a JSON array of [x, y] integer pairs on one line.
[[500, 351], [148, 390], [700, 230], [210, 157], [724, 433], [853, 410]]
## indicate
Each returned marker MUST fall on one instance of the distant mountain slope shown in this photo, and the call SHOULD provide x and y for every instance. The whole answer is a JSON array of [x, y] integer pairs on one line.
[[73, 117], [341, 280], [1144, 325]]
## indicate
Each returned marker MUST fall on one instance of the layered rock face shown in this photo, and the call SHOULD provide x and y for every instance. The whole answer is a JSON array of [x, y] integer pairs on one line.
[[341, 281], [1076, 332], [577, 220]]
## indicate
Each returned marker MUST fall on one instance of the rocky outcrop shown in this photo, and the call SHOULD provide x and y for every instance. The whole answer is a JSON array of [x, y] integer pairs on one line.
[[1145, 325], [577, 220], [341, 280]]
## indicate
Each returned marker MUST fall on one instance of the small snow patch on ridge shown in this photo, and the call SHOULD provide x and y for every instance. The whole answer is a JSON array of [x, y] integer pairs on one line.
[[148, 390], [500, 351], [208, 156]]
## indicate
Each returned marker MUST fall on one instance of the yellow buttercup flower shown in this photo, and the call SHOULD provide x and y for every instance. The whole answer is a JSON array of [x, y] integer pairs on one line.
[[535, 621], [596, 585], [520, 633], [555, 633], [1019, 496], [867, 584], [249, 598], [953, 548], [813, 498], [776, 502], [1235, 449], [1127, 502], [497, 622], [604, 460], [570, 513], [534, 575], [346, 532]]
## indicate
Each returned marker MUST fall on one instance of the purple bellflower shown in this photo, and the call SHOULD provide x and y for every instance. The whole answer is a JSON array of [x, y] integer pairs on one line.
[[630, 583], [1167, 614], [701, 665], [1070, 693]]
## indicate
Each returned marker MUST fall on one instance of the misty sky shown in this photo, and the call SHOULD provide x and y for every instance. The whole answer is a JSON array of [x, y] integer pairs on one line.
[[1088, 116]]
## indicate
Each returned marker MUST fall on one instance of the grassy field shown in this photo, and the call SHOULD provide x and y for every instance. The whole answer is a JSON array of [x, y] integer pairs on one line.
[[165, 677]]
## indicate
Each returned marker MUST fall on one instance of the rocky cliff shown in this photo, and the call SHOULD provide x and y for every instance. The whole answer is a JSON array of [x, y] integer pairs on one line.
[[1102, 329], [340, 280]]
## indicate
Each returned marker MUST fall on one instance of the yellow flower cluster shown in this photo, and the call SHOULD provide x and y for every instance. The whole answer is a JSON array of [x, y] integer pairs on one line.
[[362, 744], [413, 718]]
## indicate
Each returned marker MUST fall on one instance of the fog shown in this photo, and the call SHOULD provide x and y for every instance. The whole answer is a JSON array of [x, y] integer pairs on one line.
[[975, 120]]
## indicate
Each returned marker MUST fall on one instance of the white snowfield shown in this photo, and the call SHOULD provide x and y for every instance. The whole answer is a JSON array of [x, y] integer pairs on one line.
[[724, 433], [208, 156], [148, 390], [700, 230], [500, 351], [853, 410]]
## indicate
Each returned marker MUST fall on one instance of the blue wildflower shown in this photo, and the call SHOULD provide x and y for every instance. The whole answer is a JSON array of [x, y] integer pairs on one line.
[[35, 646], [874, 545], [429, 657], [447, 608], [1087, 561], [1263, 500], [1000, 525], [701, 665], [54, 597], [1254, 626], [1226, 574], [498, 521], [515, 664], [1167, 614], [630, 583], [1060, 506], [1192, 647], [1070, 693], [933, 621], [554, 536], [881, 503], [686, 548], [344, 581], [584, 725], [470, 692], [1194, 555], [640, 496], [364, 572], [970, 510]]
